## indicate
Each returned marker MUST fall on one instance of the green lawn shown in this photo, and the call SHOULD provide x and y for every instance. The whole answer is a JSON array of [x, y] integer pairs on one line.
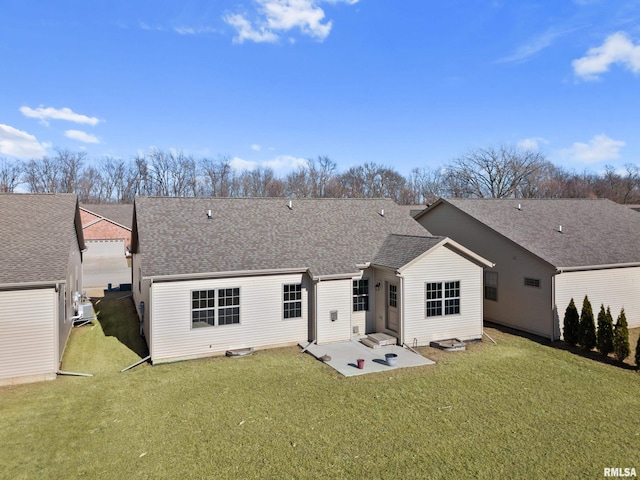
[[519, 409]]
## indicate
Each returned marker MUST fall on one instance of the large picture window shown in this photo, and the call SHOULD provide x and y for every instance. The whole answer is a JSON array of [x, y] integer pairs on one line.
[[442, 298], [293, 301], [361, 295], [207, 310]]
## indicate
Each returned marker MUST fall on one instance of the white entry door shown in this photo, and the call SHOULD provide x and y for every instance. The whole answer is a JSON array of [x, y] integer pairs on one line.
[[392, 306]]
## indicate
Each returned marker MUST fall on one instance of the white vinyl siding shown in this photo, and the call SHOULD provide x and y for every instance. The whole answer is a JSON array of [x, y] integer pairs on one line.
[[334, 296], [261, 320], [614, 287], [442, 266], [28, 334]]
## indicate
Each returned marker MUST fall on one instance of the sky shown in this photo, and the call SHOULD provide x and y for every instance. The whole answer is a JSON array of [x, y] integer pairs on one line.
[[271, 83]]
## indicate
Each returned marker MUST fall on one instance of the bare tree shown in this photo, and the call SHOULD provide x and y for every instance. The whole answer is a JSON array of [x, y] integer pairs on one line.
[[69, 164], [491, 172], [10, 175], [425, 186], [90, 186]]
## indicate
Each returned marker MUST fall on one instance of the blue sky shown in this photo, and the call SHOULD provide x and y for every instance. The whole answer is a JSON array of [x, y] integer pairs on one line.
[[410, 83]]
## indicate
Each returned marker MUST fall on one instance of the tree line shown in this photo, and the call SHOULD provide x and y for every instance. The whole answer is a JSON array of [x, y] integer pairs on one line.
[[500, 172]]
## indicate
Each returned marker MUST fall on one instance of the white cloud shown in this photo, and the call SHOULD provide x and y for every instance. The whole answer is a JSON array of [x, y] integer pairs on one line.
[[81, 136], [49, 113], [535, 45], [616, 49], [532, 143], [239, 164], [183, 30], [20, 144], [599, 149], [286, 162], [281, 16], [256, 147]]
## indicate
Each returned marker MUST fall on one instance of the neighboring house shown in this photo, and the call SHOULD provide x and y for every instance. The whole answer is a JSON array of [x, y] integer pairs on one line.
[[40, 282], [547, 252], [107, 229], [211, 275], [413, 210]]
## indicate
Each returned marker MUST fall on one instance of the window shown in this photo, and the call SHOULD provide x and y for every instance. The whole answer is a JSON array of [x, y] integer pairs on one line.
[[437, 303], [393, 295], [491, 286], [205, 309], [452, 298], [293, 301], [532, 282], [434, 299], [361, 295]]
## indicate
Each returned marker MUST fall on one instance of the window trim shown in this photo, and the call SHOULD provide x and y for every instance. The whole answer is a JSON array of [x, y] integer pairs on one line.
[[217, 307], [486, 286], [437, 295], [286, 302], [532, 282], [358, 297]]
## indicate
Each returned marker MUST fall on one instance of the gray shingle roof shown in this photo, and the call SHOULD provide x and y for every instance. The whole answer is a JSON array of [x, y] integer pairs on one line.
[[122, 214], [398, 250], [594, 232], [326, 236], [36, 234]]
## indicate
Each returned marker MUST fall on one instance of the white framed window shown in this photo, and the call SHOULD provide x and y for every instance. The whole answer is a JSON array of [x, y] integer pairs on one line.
[[442, 298], [361, 295], [532, 282], [292, 299], [491, 285], [215, 307]]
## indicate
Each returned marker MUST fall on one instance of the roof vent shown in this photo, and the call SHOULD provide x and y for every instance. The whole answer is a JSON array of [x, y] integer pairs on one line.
[[519, 206], [560, 228], [382, 212], [290, 206], [209, 217]]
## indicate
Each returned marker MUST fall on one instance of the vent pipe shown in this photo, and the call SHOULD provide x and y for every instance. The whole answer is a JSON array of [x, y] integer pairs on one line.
[[382, 212], [519, 207], [290, 205], [560, 228], [209, 217]]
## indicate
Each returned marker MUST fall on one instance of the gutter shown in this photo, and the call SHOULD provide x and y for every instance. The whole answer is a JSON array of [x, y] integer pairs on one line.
[[597, 267], [211, 275], [29, 285]]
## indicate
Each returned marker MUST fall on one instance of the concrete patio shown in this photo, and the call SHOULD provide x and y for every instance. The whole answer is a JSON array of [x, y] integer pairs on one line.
[[345, 355]]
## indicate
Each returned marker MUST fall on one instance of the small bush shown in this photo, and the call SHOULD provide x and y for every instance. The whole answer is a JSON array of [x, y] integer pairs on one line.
[[571, 324], [621, 348], [638, 353], [605, 332], [587, 328]]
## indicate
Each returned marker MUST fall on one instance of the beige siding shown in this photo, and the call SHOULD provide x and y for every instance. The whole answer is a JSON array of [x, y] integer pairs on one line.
[[616, 288], [442, 265], [27, 335], [518, 306], [140, 291], [334, 295], [261, 317], [73, 286]]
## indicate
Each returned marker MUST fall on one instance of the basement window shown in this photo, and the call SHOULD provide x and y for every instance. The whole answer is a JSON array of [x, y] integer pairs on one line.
[[532, 282]]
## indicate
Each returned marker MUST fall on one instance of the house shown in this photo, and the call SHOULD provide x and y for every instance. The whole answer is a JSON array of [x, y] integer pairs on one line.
[[547, 252], [212, 275], [106, 228], [41, 245]]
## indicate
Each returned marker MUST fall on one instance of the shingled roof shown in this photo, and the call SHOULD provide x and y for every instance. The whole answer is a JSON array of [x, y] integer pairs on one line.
[[36, 235], [594, 232], [328, 237]]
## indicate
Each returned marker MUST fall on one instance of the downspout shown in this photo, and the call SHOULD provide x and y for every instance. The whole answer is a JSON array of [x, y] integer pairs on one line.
[[149, 309], [401, 313], [315, 311], [553, 308]]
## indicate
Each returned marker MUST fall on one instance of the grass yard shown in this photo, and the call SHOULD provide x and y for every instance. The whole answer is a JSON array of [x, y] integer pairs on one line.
[[519, 409]]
